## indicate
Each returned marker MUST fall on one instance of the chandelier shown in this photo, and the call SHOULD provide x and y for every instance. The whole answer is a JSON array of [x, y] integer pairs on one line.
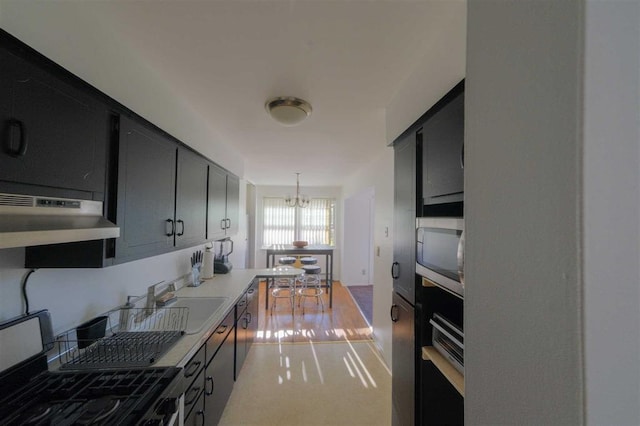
[[299, 200]]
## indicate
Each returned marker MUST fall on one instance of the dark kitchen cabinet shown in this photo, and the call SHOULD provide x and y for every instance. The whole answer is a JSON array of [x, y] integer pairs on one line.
[[145, 192], [162, 193], [191, 199], [404, 216], [193, 374], [54, 136], [219, 372], [442, 404], [443, 155], [223, 203], [246, 325], [403, 380]]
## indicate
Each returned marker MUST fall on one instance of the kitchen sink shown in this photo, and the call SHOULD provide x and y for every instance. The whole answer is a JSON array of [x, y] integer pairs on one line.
[[201, 310]]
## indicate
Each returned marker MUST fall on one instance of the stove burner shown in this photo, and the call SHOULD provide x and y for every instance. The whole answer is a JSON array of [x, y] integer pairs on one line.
[[98, 409], [37, 413]]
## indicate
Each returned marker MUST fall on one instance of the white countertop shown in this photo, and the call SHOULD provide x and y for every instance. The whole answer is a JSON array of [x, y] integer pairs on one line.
[[231, 286]]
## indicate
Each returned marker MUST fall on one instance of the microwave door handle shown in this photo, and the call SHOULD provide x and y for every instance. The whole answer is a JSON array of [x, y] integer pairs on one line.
[[461, 258]]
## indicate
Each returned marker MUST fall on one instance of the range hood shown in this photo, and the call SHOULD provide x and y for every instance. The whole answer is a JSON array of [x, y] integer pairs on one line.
[[27, 220]]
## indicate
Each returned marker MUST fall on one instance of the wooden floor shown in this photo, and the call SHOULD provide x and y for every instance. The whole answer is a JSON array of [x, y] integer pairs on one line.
[[340, 323]]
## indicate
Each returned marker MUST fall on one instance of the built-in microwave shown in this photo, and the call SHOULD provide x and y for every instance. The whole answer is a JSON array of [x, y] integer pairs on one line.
[[440, 252]]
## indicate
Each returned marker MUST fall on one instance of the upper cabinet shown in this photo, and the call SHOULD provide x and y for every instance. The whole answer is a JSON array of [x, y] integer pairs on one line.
[[442, 136], [191, 199], [223, 203], [53, 135], [59, 136], [145, 192], [162, 194]]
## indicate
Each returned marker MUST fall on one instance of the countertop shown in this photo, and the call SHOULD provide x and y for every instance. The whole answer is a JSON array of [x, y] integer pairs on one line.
[[232, 286]]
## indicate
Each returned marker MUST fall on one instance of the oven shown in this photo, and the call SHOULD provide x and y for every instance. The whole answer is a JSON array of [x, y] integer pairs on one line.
[[31, 394], [440, 252]]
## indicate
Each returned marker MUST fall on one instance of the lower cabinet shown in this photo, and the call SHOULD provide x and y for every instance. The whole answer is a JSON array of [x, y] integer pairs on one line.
[[213, 370], [246, 325], [196, 416], [219, 378], [194, 394], [403, 381], [441, 402]]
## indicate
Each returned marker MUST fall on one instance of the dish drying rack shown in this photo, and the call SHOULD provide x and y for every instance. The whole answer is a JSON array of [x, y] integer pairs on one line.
[[122, 338]]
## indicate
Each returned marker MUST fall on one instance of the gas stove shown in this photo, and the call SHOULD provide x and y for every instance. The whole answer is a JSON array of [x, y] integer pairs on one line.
[[111, 397], [30, 394]]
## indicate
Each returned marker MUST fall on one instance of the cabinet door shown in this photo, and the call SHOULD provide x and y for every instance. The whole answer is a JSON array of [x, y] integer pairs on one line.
[[191, 199], [219, 381], [233, 205], [403, 380], [217, 202], [443, 136], [146, 192], [441, 404], [252, 312], [52, 133], [242, 332], [404, 217]]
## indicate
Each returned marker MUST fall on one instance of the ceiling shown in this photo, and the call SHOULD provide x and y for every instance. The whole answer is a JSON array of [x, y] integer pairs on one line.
[[225, 58]]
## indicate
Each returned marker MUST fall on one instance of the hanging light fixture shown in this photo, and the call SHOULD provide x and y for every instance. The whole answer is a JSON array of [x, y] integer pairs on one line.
[[299, 200], [288, 110]]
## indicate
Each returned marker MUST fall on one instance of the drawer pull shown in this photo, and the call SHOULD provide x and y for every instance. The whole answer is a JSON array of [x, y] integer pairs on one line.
[[192, 369], [196, 392]]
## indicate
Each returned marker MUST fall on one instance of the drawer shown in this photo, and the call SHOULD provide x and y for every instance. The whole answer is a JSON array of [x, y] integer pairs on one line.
[[220, 334], [194, 411], [194, 366]]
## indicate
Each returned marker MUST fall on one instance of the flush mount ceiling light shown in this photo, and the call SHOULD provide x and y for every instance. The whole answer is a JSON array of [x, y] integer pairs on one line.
[[288, 110]]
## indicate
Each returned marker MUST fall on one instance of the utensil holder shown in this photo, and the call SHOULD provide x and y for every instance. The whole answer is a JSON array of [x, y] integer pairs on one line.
[[90, 331]]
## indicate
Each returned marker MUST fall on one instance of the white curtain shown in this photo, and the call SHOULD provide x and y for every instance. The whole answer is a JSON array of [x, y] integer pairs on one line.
[[278, 222], [283, 224], [316, 221]]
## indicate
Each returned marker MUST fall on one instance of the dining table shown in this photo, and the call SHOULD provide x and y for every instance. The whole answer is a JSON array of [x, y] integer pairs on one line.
[[306, 251]]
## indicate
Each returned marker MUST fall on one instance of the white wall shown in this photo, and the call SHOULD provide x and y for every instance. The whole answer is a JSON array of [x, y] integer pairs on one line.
[[552, 208], [379, 176], [523, 295], [357, 246], [442, 67], [611, 213]]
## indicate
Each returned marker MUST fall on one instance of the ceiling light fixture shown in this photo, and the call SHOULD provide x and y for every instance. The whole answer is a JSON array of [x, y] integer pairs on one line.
[[299, 200], [288, 110]]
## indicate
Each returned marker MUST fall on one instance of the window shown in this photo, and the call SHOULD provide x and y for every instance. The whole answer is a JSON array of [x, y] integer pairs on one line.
[[283, 224]]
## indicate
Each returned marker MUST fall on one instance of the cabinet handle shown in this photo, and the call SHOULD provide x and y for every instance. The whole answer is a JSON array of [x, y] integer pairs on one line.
[[173, 228], [201, 414], [192, 369], [246, 323], [394, 307], [196, 392], [394, 267], [249, 318], [251, 291], [221, 329], [209, 379], [228, 222], [222, 223], [181, 222], [22, 147]]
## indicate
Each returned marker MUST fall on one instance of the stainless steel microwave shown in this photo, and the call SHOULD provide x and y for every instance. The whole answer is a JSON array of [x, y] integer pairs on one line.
[[440, 252]]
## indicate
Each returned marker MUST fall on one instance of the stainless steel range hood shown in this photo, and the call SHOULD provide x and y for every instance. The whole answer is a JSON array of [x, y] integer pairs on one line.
[[27, 220]]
